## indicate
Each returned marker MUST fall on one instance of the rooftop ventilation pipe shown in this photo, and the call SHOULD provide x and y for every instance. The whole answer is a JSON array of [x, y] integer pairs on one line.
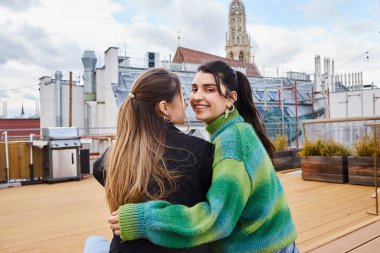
[[58, 98], [89, 63]]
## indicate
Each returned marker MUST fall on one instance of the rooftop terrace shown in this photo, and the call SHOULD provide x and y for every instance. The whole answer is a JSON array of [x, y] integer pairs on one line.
[[58, 217]]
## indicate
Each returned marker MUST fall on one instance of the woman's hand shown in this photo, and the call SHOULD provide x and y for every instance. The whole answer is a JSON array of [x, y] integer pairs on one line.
[[113, 220]]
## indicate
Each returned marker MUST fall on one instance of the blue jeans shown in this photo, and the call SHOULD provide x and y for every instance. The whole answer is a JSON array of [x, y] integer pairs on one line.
[[291, 248], [96, 244]]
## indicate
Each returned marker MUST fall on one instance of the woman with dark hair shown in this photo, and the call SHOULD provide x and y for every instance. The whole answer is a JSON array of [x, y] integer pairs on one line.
[[246, 208], [151, 159]]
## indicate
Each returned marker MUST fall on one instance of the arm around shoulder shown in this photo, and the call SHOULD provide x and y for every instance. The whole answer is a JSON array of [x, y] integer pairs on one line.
[[180, 226]]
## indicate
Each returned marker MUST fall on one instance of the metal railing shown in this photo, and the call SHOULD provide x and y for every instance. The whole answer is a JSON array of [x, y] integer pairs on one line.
[[345, 131], [97, 141], [18, 150]]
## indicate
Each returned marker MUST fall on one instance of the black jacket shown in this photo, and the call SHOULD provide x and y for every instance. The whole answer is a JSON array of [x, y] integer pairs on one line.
[[193, 161]]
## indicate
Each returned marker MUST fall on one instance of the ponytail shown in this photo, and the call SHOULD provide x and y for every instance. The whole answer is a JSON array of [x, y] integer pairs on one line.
[[247, 109]]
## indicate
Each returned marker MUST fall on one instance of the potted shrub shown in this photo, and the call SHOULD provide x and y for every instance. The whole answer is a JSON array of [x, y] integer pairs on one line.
[[361, 166], [284, 157], [325, 161]]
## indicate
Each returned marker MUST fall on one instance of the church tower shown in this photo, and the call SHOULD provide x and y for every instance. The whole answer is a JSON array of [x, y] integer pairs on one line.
[[237, 39]]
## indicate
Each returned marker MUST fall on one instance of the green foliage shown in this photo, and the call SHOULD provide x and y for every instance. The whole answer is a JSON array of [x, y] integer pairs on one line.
[[323, 148], [365, 146], [281, 142]]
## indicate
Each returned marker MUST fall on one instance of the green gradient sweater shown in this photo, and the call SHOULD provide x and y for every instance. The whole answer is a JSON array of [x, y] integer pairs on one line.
[[246, 208]]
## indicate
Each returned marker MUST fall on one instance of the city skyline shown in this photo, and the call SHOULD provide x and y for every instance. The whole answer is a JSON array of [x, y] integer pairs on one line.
[[38, 37]]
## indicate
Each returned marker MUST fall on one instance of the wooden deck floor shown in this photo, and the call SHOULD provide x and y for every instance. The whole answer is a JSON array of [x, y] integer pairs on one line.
[[57, 218], [366, 239], [324, 212]]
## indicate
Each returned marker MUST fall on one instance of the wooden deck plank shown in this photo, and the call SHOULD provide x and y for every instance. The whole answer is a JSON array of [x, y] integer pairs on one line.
[[323, 218], [52, 218], [321, 237], [370, 247], [352, 241], [324, 211], [59, 217]]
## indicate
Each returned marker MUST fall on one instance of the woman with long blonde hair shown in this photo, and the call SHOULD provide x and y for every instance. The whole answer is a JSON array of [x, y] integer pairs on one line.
[[151, 159]]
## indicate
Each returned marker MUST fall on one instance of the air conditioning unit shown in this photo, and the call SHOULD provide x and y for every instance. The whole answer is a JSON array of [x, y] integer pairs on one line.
[[153, 59]]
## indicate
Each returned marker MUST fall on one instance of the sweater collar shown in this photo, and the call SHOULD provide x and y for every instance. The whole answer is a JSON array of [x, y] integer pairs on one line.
[[221, 122]]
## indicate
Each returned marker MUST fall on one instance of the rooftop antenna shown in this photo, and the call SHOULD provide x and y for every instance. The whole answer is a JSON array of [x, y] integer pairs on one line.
[[125, 56], [37, 108]]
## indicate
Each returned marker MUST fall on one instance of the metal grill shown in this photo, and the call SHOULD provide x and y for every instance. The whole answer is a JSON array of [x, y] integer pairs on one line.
[[61, 154]]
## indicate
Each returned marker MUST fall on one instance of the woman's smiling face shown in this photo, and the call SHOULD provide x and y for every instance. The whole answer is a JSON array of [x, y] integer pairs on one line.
[[205, 99]]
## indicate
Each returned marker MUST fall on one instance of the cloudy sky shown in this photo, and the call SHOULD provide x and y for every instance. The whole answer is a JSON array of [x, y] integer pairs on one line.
[[38, 37]]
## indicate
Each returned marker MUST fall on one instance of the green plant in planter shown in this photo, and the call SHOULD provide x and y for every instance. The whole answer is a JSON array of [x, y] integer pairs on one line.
[[324, 160], [280, 142], [365, 146], [321, 147], [361, 165]]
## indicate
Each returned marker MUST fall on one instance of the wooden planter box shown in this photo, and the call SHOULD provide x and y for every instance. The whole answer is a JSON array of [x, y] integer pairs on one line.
[[296, 159], [325, 168], [361, 170], [286, 159]]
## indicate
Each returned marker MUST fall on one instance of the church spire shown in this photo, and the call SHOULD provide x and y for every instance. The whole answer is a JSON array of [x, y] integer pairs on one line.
[[22, 110], [237, 41]]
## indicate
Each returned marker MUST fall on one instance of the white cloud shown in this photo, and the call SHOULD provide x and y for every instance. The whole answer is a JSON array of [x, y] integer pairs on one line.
[[321, 8], [294, 48], [4, 95], [38, 37], [19, 5], [52, 35]]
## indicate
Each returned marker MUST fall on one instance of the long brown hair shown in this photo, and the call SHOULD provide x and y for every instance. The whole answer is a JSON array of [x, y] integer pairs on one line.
[[136, 157], [237, 81]]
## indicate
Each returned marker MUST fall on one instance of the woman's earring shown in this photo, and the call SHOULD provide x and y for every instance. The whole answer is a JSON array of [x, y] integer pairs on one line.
[[170, 117], [228, 111]]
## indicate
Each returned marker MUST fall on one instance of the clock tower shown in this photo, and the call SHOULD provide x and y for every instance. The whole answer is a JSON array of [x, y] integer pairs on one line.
[[237, 39]]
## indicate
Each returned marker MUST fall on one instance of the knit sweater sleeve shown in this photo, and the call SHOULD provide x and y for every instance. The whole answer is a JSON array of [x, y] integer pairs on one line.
[[180, 226]]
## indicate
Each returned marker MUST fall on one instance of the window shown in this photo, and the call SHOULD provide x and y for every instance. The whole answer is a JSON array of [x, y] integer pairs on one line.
[[261, 110], [241, 56], [273, 94], [260, 94]]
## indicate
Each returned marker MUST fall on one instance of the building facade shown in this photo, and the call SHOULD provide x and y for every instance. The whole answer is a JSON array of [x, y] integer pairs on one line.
[[55, 101]]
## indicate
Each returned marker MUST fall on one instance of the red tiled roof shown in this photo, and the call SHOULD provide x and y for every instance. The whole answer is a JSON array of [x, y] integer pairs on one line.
[[193, 56]]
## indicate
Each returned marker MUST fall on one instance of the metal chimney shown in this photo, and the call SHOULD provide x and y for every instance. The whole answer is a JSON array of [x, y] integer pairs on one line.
[[361, 80], [328, 74], [89, 62], [333, 76], [58, 98], [317, 63], [349, 81], [356, 81], [345, 81]]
